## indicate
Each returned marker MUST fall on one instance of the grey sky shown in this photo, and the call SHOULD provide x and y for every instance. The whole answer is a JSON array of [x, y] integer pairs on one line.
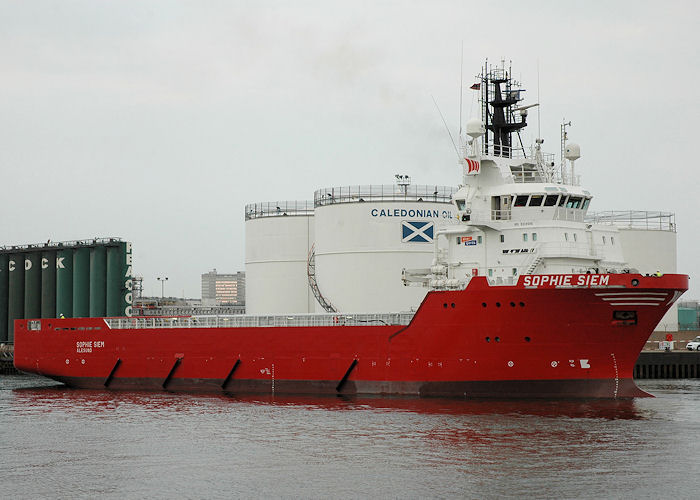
[[158, 121]]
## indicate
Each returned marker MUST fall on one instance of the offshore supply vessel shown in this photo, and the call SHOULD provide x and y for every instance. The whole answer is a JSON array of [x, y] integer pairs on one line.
[[526, 299]]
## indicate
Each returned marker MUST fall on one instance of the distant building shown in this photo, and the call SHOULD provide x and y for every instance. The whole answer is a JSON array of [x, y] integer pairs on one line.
[[223, 289]]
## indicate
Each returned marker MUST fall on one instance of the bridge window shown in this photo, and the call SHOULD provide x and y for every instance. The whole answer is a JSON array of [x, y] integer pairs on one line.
[[574, 202], [536, 200], [551, 200], [563, 200], [460, 204], [521, 200], [585, 203]]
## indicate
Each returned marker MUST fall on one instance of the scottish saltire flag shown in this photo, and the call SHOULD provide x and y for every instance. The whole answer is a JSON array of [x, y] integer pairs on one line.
[[417, 231], [473, 166]]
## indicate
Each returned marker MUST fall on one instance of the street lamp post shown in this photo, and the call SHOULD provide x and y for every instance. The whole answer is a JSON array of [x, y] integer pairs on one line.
[[162, 280]]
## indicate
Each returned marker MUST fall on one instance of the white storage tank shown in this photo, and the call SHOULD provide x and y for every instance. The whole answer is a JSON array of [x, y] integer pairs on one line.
[[366, 235], [278, 236], [649, 244]]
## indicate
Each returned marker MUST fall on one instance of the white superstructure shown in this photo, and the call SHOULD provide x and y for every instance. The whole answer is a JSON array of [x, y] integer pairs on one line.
[[518, 213]]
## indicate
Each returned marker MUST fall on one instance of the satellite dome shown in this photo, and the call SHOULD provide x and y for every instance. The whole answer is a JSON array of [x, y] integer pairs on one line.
[[572, 151], [475, 128]]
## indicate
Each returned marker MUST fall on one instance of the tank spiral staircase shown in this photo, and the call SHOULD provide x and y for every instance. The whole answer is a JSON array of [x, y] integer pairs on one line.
[[313, 283]]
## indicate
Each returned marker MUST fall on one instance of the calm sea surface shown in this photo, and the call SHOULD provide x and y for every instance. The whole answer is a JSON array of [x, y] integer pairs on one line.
[[61, 443]]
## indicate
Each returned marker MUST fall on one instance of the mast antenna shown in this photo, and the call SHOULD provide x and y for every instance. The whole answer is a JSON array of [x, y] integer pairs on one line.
[[539, 135], [446, 128], [461, 90]]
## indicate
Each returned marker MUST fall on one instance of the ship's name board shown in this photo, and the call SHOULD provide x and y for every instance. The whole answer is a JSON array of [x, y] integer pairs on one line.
[[413, 212], [554, 280], [83, 346]]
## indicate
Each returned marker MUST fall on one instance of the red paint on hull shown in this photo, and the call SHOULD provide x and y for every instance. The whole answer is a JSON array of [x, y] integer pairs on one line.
[[543, 341]]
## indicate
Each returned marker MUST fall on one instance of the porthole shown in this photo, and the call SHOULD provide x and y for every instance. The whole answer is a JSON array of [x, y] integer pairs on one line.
[[527, 339], [512, 304], [522, 304], [497, 339], [445, 305], [483, 304], [452, 305], [498, 304], [635, 282], [488, 339]]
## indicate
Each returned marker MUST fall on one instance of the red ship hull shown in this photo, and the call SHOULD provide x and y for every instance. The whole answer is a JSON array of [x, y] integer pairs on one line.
[[547, 336]]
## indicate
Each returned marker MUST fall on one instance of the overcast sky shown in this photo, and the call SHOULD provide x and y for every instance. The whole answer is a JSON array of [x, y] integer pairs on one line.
[[158, 121]]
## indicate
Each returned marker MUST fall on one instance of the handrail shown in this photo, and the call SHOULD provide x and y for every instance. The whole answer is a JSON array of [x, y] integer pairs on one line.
[[278, 208], [313, 282], [636, 219], [58, 245], [383, 192]]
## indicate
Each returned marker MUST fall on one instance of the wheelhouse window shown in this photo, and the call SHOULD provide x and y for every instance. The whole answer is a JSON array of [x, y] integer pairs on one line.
[[551, 200], [563, 200], [585, 203], [521, 200], [460, 204], [536, 200], [574, 202]]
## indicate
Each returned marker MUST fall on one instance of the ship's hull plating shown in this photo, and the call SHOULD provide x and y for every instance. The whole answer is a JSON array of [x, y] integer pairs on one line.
[[540, 338]]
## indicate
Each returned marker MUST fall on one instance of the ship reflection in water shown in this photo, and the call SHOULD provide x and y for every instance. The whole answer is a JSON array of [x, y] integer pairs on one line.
[[65, 442]]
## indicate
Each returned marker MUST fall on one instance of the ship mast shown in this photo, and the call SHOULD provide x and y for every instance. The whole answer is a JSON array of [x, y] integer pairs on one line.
[[501, 93]]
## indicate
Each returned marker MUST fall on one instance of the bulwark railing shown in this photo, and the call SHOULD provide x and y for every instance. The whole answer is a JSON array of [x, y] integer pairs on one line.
[[292, 320]]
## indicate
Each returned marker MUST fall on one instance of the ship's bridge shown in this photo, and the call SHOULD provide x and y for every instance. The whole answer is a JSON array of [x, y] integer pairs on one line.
[[521, 201]]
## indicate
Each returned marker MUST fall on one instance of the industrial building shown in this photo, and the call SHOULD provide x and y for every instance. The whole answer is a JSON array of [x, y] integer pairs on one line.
[[223, 289], [69, 279], [345, 250]]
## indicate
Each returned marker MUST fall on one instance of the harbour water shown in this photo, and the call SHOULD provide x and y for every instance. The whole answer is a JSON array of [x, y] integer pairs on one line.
[[62, 443]]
